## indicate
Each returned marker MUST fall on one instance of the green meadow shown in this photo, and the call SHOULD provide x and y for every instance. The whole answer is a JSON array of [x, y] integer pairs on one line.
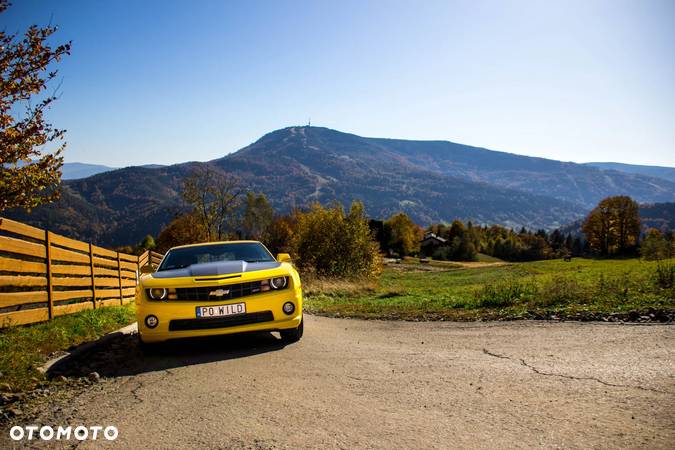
[[490, 290]]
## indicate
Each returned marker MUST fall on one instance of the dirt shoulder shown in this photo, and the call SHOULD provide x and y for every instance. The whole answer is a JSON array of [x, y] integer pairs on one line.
[[374, 384]]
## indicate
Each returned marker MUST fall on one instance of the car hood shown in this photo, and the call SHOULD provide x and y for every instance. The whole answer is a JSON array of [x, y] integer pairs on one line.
[[216, 268]]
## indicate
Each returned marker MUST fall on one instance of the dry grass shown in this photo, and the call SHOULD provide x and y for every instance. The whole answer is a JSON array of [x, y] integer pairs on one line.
[[312, 286]]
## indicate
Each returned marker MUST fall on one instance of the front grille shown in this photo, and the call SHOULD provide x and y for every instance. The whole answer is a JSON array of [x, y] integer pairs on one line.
[[204, 293], [220, 322]]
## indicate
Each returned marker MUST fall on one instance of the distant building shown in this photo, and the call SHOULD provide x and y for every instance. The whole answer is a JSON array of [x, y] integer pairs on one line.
[[430, 243]]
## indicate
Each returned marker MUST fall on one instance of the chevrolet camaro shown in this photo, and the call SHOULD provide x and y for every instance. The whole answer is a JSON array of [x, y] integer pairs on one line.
[[219, 288]]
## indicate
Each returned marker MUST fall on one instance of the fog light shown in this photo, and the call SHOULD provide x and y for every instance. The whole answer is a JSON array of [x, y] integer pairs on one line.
[[151, 321], [289, 308]]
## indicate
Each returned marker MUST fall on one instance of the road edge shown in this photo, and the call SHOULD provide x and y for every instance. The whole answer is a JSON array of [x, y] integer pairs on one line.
[[87, 346]]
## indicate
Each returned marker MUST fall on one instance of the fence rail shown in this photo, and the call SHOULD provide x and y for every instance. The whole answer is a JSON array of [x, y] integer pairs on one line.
[[150, 257], [44, 274]]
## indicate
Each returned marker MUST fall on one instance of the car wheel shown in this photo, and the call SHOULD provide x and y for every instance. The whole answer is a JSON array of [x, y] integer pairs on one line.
[[294, 334]]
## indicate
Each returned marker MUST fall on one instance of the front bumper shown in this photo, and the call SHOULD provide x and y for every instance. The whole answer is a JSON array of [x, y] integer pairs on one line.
[[177, 319]]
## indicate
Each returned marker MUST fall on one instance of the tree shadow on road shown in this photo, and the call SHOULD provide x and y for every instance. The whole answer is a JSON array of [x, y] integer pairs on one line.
[[121, 354]]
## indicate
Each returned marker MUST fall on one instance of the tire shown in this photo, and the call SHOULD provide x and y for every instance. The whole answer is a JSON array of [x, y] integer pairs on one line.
[[294, 334]]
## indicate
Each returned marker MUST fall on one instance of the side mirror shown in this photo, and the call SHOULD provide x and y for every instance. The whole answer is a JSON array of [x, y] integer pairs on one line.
[[148, 268], [284, 257]]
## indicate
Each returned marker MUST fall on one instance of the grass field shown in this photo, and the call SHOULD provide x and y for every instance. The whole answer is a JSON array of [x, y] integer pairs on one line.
[[23, 348], [414, 291]]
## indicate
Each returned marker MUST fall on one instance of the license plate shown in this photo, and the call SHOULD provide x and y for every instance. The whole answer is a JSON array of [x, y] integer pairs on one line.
[[221, 310]]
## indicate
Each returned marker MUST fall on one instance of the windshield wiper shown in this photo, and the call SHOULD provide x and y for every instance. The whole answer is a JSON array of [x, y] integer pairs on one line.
[[257, 260]]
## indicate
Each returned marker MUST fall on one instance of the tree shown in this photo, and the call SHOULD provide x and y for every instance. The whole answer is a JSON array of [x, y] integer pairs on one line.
[[626, 223], [280, 232], [457, 229], [655, 247], [404, 234], [569, 244], [613, 227], [377, 228], [258, 216], [331, 243], [214, 197], [148, 243], [184, 229], [28, 177]]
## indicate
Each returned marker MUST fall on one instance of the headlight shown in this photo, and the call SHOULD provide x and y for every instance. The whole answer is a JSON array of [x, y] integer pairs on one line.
[[278, 282], [157, 293]]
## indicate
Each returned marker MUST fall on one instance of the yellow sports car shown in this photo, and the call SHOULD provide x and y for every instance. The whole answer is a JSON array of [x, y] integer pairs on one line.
[[219, 288]]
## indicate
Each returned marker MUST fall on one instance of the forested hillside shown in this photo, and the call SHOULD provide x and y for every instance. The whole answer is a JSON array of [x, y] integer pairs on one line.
[[432, 181]]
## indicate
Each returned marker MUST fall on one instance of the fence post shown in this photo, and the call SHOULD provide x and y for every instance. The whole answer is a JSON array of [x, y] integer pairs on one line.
[[138, 269], [50, 288], [93, 276], [119, 277]]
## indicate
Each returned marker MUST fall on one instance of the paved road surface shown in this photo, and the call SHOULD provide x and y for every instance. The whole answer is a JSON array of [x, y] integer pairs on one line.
[[370, 384]]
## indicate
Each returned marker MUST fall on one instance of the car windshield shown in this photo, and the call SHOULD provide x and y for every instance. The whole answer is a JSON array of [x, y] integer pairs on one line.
[[240, 251]]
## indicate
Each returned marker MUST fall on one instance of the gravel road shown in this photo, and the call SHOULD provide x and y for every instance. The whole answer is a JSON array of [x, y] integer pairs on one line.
[[371, 384]]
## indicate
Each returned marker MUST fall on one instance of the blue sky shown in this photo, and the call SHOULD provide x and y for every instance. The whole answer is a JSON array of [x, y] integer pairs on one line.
[[166, 82]]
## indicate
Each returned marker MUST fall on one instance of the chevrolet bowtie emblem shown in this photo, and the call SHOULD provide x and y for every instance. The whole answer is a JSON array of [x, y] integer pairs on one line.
[[219, 292]]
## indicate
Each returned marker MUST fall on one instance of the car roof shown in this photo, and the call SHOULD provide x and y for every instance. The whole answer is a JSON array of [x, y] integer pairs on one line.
[[204, 244]]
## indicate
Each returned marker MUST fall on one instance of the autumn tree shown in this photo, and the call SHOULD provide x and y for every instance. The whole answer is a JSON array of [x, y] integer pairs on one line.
[[28, 177], [404, 234], [257, 217], [613, 227], [184, 229], [280, 232], [215, 199], [331, 243]]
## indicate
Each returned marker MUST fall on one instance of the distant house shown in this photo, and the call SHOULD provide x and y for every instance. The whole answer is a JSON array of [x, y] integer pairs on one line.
[[430, 243]]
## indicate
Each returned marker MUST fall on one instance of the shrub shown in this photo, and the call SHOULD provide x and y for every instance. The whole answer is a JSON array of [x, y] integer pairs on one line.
[[664, 274], [655, 247], [442, 253], [279, 233], [561, 290], [459, 249], [328, 242], [505, 293]]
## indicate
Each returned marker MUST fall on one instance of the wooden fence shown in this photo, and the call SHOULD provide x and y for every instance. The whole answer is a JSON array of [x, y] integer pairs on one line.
[[44, 275], [150, 257]]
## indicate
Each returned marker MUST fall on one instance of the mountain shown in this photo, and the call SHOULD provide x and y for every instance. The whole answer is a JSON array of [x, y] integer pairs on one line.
[[76, 170], [667, 173], [658, 215], [152, 166], [73, 171], [582, 185], [298, 165], [113, 208], [430, 180]]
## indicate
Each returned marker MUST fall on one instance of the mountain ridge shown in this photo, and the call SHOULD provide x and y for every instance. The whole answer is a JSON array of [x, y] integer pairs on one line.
[[430, 180], [667, 173]]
